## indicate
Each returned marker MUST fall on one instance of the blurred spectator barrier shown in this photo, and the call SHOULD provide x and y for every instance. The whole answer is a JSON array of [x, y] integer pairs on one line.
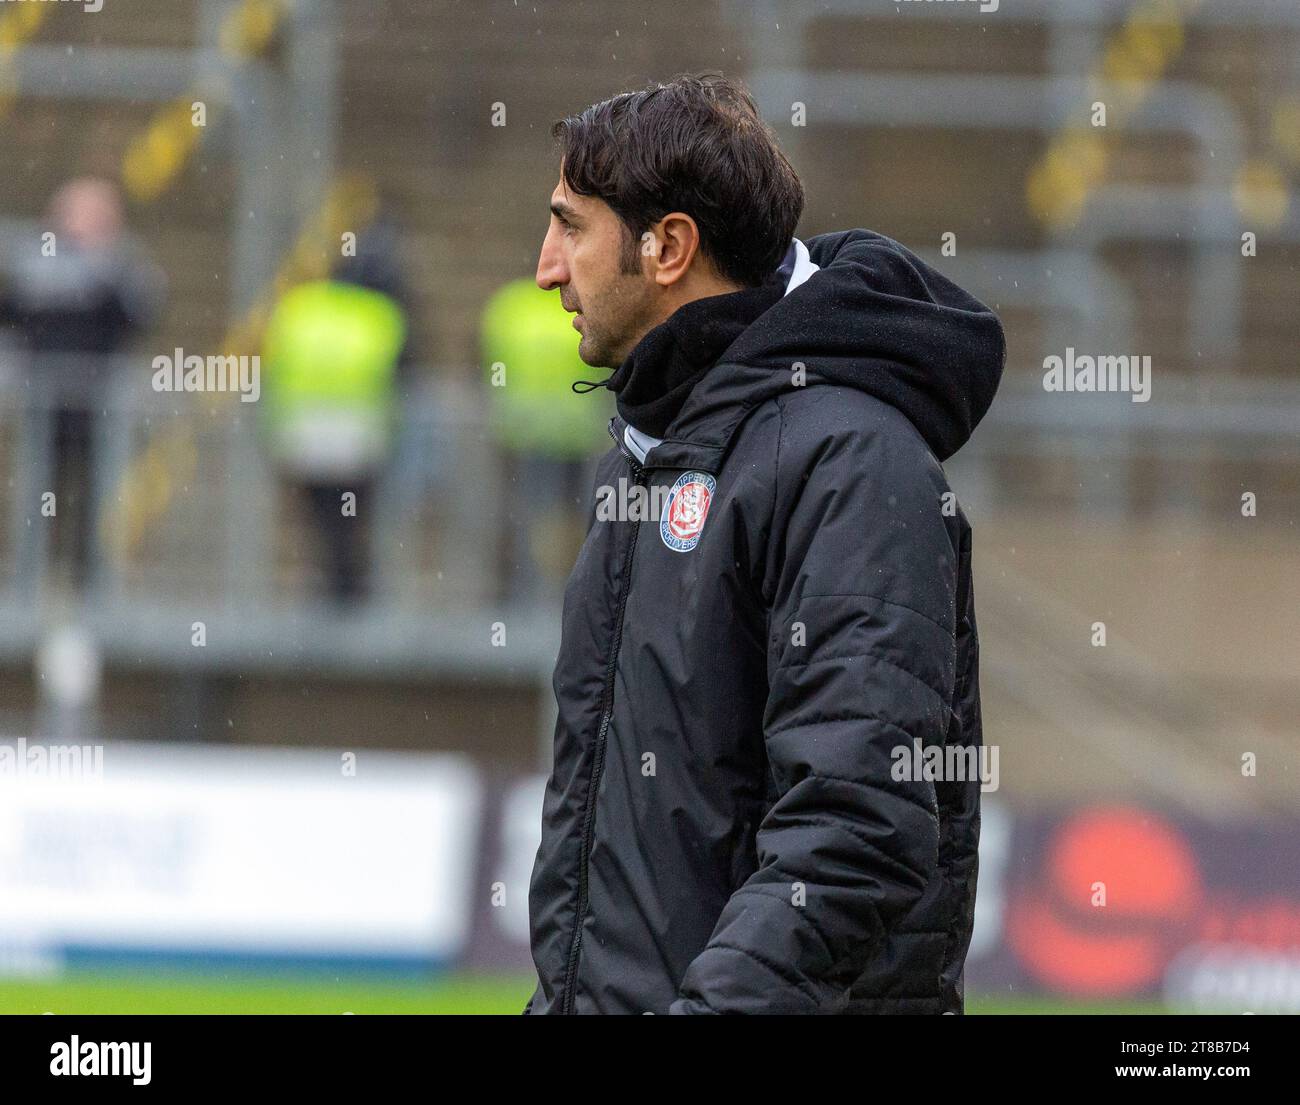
[[227, 550]]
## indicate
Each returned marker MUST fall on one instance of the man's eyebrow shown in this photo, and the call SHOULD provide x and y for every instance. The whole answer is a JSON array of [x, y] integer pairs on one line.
[[562, 210]]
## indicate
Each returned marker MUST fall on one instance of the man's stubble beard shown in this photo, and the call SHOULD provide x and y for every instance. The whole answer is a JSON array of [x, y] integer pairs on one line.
[[603, 350], [594, 351]]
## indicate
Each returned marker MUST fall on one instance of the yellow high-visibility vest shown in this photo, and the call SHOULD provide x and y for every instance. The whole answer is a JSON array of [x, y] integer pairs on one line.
[[329, 362], [530, 343]]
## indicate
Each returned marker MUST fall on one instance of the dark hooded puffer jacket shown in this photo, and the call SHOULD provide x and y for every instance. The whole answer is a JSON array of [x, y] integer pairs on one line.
[[722, 831]]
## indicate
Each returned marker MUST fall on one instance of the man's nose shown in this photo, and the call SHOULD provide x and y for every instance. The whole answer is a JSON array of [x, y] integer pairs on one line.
[[551, 270]]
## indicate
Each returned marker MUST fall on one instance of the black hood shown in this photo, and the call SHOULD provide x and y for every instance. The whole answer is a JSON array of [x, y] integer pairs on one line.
[[874, 317]]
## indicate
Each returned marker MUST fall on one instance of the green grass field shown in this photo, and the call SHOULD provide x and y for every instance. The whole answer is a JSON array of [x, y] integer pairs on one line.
[[463, 994]]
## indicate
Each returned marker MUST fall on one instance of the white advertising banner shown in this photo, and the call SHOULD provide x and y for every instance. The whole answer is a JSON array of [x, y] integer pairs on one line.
[[230, 851]]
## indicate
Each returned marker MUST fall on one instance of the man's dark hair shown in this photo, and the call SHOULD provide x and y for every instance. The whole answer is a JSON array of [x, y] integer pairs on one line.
[[698, 145]]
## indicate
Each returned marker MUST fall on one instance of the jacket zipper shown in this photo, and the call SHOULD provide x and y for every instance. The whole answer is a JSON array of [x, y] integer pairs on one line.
[[598, 757]]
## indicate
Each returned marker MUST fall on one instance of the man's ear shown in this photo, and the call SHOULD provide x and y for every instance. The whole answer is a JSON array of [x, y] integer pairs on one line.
[[676, 242]]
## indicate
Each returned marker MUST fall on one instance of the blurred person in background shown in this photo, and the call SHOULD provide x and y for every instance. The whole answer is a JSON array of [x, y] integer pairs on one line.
[[74, 302], [548, 435], [335, 355]]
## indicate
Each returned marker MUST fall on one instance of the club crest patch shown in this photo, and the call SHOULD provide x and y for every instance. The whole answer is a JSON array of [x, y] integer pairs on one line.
[[684, 513]]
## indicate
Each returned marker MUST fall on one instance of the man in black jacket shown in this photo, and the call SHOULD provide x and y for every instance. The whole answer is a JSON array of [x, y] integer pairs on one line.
[[772, 613]]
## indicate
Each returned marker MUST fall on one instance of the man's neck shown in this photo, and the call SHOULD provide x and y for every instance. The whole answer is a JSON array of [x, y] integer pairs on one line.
[[654, 380], [700, 285]]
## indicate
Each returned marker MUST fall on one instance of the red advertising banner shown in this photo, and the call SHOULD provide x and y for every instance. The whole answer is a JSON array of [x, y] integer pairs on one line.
[[1123, 902]]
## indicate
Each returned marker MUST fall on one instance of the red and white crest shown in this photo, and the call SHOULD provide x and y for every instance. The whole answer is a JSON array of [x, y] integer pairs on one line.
[[687, 508]]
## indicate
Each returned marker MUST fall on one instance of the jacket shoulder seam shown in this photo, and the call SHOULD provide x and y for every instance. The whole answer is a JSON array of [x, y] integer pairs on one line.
[[887, 602], [823, 718], [843, 825], [866, 656], [930, 810]]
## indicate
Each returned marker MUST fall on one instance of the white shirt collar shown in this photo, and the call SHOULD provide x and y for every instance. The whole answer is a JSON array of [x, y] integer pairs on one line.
[[639, 443], [803, 267]]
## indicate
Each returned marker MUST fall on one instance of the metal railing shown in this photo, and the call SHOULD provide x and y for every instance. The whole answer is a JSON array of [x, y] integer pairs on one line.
[[228, 555], [232, 546]]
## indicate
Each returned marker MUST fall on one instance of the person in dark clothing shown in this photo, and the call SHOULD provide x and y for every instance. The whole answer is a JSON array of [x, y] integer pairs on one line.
[[731, 824], [74, 301]]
